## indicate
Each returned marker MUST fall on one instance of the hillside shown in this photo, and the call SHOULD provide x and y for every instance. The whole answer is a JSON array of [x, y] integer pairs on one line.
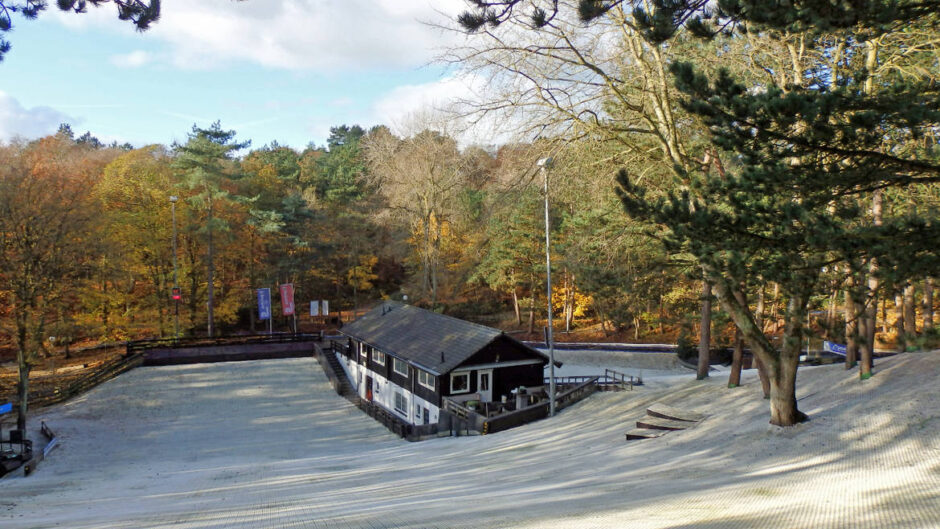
[[267, 444]]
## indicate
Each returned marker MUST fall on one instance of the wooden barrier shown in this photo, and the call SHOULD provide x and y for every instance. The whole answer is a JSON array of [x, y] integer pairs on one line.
[[102, 373]]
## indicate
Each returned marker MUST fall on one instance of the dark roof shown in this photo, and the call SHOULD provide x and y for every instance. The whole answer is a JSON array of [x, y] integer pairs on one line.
[[419, 336]]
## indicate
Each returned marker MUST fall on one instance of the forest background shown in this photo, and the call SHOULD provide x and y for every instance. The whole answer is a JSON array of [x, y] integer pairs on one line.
[[87, 236]]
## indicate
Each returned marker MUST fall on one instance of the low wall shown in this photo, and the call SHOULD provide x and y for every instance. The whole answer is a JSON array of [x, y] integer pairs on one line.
[[161, 356]]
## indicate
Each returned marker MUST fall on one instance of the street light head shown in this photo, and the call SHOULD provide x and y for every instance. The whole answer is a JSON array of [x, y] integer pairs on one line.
[[174, 198], [545, 162]]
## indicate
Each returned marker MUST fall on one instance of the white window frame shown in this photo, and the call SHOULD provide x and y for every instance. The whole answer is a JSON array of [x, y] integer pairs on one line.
[[362, 350], [399, 398], [454, 376], [377, 355], [395, 363], [424, 375]]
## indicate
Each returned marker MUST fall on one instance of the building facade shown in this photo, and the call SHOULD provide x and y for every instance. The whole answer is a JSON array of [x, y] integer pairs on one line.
[[408, 360]]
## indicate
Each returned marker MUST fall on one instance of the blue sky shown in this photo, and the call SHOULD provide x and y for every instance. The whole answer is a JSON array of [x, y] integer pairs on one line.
[[282, 70]]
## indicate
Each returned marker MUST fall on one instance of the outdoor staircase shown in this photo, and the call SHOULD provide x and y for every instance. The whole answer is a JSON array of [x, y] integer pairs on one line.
[[661, 419], [336, 374]]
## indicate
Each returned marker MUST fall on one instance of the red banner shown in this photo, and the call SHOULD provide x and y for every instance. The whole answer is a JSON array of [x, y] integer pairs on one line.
[[287, 299]]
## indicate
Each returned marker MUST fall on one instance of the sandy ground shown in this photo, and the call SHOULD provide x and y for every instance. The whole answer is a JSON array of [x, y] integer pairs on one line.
[[269, 445]]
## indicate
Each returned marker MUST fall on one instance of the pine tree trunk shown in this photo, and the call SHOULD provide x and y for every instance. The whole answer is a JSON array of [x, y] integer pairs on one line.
[[774, 316], [884, 316], [734, 378], [831, 316], [851, 326], [210, 286], [928, 304], [910, 316], [704, 343], [868, 343], [780, 365], [532, 311], [515, 306], [901, 342]]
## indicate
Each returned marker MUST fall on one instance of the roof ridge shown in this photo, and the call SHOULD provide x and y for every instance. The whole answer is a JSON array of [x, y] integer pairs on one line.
[[466, 322]]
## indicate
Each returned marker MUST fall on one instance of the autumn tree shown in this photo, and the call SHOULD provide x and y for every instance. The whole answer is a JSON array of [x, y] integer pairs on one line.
[[47, 217], [134, 192]]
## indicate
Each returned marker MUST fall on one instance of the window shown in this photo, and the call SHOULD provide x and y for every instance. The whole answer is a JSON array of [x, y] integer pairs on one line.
[[401, 404], [378, 357], [425, 379], [460, 383], [417, 411], [484, 381], [399, 367], [362, 350]]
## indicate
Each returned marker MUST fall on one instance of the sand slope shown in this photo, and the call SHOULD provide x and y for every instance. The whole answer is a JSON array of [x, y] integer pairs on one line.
[[268, 444]]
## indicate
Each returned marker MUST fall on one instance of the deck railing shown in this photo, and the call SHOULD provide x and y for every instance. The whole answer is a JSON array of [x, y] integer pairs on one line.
[[610, 381]]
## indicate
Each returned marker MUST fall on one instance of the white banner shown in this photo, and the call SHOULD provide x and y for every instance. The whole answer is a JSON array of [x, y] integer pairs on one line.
[[314, 308], [326, 307]]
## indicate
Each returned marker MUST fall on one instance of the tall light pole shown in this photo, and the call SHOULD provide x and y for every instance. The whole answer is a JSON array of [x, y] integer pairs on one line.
[[176, 284], [544, 165]]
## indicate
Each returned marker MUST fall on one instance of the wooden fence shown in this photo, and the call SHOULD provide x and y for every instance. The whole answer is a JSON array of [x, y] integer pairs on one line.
[[174, 343], [103, 372]]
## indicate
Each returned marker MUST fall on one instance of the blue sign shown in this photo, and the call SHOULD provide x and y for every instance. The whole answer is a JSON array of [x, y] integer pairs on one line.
[[833, 347], [6, 408], [264, 303]]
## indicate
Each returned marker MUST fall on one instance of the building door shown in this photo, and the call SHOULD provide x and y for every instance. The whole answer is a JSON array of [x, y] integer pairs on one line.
[[485, 385], [369, 388]]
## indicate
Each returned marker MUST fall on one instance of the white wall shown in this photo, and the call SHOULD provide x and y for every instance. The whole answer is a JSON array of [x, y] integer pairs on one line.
[[383, 393]]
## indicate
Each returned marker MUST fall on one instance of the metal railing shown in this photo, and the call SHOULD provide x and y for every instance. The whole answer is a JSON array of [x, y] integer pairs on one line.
[[610, 381]]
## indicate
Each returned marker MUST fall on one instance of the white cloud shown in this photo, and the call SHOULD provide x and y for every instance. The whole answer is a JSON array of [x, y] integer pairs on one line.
[[444, 105], [326, 35], [29, 123], [134, 59]]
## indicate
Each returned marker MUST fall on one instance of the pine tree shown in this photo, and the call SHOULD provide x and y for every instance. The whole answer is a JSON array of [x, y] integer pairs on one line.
[[204, 161], [805, 157]]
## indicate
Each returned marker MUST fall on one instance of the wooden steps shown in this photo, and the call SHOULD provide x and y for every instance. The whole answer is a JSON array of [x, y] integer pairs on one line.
[[644, 433], [668, 412], [661, 419], [656, 423]]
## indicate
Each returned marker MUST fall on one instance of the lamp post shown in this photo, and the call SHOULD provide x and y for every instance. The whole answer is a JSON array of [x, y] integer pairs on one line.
[[544, 165], [176, 285]]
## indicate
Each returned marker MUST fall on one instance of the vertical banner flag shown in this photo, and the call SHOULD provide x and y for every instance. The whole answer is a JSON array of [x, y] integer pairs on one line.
[[264, 303], [326, 307], [314, 308], [287, 299]]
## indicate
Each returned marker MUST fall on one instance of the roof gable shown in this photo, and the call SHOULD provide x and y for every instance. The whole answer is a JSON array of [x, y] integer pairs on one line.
[[433, 341]]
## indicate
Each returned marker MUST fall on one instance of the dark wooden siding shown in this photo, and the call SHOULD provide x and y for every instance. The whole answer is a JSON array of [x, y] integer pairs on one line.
[[402, 380], [509, 378], [502, 349], [434, 397]]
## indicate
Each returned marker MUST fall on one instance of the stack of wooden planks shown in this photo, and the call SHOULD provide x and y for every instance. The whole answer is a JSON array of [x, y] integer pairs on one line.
[[661, 419]]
